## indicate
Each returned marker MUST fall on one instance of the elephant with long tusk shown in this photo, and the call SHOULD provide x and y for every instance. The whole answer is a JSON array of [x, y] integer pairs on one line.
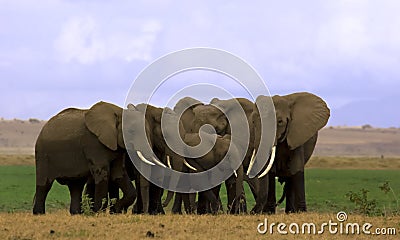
[[299, 117], [155, 151]]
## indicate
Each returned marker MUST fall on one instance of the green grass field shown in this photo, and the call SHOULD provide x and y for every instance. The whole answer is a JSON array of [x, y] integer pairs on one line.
[[325, 188]]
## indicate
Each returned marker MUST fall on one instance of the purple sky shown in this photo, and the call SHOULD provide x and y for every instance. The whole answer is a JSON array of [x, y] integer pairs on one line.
[[58, 54]]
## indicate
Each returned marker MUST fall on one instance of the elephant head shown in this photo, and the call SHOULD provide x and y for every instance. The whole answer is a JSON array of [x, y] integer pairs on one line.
[[299, 116], [184, 107], [167, 133]]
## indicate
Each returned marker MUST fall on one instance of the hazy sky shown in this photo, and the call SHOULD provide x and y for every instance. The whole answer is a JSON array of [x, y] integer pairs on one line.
[[57, 54]]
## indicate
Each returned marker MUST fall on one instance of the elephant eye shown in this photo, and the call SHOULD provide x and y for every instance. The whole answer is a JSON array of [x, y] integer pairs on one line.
[[280, 122]]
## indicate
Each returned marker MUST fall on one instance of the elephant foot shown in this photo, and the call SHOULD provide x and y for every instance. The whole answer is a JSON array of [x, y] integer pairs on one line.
[[176, 212], [270, 208], [190, 210], [241, 206], [75, 212], [257, 209], [113, 210], [38, 211], [155, 212], [135, 211], [116, 208], [269, 211], [214, 208]]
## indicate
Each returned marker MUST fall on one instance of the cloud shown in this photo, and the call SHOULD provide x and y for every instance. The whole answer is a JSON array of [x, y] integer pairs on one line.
[[85, 40]]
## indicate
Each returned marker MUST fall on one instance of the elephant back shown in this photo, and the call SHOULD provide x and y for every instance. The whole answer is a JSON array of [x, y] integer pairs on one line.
[[66, 125], [58, 152]]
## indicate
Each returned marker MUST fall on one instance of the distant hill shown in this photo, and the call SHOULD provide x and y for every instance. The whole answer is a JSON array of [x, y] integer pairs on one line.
[[358, 141], [19, 136]]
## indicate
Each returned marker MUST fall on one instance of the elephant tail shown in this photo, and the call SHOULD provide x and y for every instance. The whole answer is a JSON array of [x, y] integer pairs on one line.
[[282, 197]]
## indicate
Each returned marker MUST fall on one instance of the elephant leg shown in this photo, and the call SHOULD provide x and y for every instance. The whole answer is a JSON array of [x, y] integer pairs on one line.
[[100, 195], [270, 207], [129, 193], [290, 196], [262, 195], [230, 186], [138, 206], [212, 201], [299, 192], [177, 207], [75, 190], [40, 198], [155, 195], [243, 203], [100, 174], [239, 204], [202, 204], [113, 194], [144, 192], [189, 202], [216, 191], [253, 184]]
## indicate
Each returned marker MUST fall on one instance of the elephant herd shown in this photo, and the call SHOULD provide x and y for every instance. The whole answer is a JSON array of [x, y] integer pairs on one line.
[[88, 147]]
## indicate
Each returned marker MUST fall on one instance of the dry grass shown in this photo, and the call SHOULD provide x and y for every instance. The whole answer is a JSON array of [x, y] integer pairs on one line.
[[61, 225], [16, 159], [358, 142], [354, 163], [315, 162]]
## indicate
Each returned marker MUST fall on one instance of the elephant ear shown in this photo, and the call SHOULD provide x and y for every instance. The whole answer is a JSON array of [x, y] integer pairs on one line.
[[309, 113], [102, 120]]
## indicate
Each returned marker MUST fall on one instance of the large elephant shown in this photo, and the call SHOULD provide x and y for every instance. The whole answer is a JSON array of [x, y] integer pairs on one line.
[[299, 117], [149, 196], [196, 114], [76, 145]]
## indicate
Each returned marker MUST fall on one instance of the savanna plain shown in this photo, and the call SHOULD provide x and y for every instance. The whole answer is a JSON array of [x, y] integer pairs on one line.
[[354, 169]]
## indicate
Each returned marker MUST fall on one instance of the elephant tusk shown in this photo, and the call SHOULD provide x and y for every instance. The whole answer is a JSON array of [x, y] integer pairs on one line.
[[159, 163], [188, 165], [234, 171], [169, 162], [270, 163], [140, 155], [252, 160]]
